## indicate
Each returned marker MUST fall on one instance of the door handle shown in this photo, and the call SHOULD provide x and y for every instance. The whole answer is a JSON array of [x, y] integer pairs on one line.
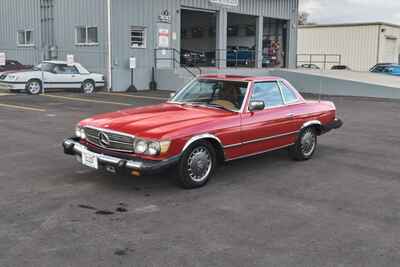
[[290, 115]]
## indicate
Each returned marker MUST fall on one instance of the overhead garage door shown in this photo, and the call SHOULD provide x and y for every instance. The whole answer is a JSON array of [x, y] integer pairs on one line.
[[390, 53]]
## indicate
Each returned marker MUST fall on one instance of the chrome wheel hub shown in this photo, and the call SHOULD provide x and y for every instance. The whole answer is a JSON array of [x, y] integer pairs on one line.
[[34, 87], [199, 164], [308, 143], [88, 88]]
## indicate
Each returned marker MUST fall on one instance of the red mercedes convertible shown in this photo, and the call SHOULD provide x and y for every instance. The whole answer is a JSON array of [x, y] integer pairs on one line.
[[215, 118]]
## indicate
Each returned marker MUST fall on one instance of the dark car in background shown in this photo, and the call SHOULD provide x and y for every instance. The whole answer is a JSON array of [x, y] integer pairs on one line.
[[193, 58], [340, 67], [13, 65], [386, 68], [309, 66]]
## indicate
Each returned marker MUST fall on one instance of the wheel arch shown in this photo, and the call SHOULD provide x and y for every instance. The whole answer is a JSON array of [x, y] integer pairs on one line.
[[316, 124], [215, 142]]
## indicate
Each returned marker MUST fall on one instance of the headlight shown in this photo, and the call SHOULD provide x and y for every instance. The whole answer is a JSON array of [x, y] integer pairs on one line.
[[78, 131], [83, 133], [12, 78], [151, 148], [154, 148], [141, 146]]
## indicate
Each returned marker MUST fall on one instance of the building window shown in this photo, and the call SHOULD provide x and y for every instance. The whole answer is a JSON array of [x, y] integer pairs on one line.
[[25, 38], [138, 37], [86, 35]]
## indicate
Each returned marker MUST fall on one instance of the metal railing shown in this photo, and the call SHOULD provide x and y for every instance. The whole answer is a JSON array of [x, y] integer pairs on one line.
[[173, 56], [317, 59]]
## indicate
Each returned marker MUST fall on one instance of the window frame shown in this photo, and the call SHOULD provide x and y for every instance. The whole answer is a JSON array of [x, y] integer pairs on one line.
[[282, 83], [285, 104], [144, 39], [25, 44], [86, 28], [267, 107]]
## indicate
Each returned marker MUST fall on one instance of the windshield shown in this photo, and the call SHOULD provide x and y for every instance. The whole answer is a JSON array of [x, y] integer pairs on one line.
[[227, 95], [44, 67]]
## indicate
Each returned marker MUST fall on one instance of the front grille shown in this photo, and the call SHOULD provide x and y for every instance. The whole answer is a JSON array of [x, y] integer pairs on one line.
[[116, 141], [2, 77]]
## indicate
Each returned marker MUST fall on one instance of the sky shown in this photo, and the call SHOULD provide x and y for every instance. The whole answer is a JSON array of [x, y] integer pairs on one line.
[[343, 11]]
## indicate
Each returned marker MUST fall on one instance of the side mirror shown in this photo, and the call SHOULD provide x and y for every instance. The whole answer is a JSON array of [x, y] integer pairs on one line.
[[171, 95], [256, 105]]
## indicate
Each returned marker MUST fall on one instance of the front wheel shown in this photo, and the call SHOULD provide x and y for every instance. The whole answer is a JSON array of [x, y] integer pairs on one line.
[[305, 146], [88, 87], [197, 165], [34, 87]]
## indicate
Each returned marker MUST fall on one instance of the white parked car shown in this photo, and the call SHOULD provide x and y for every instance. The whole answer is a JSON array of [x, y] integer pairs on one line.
[[52, 74]]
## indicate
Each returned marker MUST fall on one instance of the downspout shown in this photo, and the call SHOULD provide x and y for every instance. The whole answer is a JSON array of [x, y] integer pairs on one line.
[[379, 44], [109, 52]]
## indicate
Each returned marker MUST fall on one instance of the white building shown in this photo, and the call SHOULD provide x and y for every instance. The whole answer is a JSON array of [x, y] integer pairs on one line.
[[359, 46]]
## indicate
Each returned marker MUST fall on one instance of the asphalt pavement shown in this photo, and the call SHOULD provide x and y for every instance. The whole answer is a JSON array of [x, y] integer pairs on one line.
[[340, 209]]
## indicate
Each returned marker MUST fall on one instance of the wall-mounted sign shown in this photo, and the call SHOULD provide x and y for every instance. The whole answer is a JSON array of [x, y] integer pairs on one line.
[[163, 38], [165, 17], [2, 59], [230, 3], [70, 60], [132, 63]]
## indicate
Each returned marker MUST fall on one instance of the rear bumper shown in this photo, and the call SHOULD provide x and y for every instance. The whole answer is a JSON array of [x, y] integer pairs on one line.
[[336, 124], [142, 167]]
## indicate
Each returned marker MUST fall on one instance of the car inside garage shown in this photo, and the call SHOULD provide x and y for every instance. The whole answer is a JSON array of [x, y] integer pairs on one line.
[[198, 38]]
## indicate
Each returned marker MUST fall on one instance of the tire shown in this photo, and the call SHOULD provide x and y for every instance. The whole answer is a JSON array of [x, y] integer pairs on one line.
[[305, 146], [33, 87], [88, 87], [197, 165]]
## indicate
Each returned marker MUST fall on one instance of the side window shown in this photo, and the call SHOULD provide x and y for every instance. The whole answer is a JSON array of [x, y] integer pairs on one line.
[[65, 69], [268, 92], [288, 94]]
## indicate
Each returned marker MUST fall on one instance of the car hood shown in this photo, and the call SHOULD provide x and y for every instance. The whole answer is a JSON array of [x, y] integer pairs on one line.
[[24, 71], [156, 122]]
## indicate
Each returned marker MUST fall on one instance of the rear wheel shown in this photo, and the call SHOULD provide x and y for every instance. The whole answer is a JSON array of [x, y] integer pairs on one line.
[[305, 146], [197, 165], [88, 87], [33, 87]]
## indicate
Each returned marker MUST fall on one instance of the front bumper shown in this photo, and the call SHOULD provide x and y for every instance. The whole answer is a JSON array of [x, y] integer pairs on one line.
[[119, 165], [11, 86]]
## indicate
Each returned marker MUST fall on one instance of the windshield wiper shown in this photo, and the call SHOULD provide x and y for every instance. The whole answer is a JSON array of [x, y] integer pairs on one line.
[[218, 106]]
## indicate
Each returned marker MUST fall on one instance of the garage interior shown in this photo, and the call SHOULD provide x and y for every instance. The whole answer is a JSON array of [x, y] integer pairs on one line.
[[199, 41], [198, 38]]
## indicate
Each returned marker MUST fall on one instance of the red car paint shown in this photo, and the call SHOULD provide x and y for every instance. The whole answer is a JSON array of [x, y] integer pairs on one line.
[[241, 134]]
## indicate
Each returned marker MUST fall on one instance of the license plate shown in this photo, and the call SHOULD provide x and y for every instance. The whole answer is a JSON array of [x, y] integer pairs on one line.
[[89, 159]]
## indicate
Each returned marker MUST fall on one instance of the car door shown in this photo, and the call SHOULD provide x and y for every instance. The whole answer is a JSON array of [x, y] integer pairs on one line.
[[63, 76], [270, 128]]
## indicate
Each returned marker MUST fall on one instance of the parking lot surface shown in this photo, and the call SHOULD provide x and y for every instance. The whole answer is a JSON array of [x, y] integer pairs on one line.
[[340, 209]]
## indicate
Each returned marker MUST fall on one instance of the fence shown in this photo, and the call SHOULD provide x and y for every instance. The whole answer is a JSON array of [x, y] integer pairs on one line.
[[323, 61]]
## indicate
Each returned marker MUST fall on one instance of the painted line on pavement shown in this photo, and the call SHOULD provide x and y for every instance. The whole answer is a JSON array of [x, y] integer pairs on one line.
[[88, 100], [134, 96], [22, 107]]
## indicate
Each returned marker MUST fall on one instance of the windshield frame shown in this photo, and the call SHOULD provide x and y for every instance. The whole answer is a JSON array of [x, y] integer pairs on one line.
[[188, 85]]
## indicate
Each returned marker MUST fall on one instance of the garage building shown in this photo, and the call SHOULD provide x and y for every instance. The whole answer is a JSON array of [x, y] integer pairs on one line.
[[172, 37], [359, 46]]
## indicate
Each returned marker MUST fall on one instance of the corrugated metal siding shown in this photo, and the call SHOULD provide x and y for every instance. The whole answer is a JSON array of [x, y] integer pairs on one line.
[[390, 36], [357, 45], [72, 13], [269, 8], [20, 15], [127, 13]]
